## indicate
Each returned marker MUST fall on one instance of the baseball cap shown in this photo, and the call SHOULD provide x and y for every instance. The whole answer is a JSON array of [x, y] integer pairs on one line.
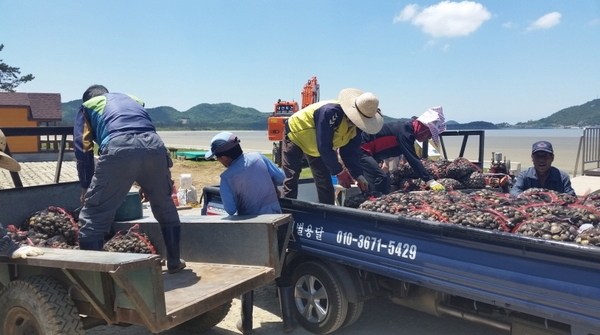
[[220, 143], [542, 146]]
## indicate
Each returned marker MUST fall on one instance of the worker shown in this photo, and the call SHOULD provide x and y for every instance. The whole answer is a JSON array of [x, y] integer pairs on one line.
[[542, 174], [248, 186], [8, 247], [129, 151], [398, 138], [320, 129]]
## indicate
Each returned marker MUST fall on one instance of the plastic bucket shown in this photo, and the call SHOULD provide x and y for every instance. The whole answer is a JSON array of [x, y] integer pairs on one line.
[[131, 208]]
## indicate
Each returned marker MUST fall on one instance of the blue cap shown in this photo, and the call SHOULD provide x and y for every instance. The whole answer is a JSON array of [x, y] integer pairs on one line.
[[221, 143], [542, 146]]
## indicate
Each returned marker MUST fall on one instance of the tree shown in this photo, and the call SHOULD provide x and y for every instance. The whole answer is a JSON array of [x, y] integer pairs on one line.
[[9, 76]]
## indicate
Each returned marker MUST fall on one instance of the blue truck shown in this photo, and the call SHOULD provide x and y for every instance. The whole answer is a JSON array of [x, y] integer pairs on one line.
[[339, 257]]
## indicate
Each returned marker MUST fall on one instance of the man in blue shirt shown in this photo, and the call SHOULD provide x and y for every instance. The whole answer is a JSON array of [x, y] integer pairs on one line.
[[542, 174], [249, 187], [129, 151]]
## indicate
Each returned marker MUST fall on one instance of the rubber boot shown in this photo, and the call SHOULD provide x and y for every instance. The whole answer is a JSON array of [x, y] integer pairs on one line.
[[244, 324], [286, 303], [91, 245], [171, 235]]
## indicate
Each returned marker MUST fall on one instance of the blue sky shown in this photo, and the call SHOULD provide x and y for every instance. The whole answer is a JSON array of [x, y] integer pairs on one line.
[[498, 61]]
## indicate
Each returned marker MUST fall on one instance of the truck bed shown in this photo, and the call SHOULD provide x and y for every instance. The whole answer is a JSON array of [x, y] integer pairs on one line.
[[547, 279]]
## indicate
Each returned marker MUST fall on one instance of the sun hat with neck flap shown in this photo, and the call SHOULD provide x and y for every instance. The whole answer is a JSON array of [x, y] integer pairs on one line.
[[434, 119], [362, 108], [7, 162]]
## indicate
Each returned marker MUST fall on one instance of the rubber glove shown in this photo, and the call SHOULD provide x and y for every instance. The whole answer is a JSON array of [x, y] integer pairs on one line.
[[344, 179], [435, 186], [25, 251], [362, 183]]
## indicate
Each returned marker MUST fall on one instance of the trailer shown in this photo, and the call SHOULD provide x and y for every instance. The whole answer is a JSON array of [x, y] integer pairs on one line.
[[68, 291], [339, 257]]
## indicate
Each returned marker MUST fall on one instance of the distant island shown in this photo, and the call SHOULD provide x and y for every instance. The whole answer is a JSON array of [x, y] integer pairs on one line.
[[228, 116]]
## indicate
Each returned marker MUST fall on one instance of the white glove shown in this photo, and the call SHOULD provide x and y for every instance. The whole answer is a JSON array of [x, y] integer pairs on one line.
[[435, 186], [25, 251], [362, 183]]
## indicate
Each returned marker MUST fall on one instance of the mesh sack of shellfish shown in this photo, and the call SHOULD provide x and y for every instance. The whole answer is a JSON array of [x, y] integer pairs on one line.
[[406, 199], [53, 221], [382, 205], [59, 242], [487, 198], [581, 214], [589, 237], [424, 213], [354, 201], [432, 168], [540, 195], [442, 165], [475, 180], [415, 184], [451, 184], [18, 236], [513, 215], [451, 212], [130, 241], [404, 170], [480, 218], [461, 168], [461, 198], [554, 230], [591, 199]]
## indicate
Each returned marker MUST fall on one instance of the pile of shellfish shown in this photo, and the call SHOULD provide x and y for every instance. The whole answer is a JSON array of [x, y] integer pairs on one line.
[[131, 241], [537, 212], [456, 174], [51, 227]]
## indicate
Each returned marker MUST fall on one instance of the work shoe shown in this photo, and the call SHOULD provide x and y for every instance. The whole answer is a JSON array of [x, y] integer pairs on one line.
[[177, 268]]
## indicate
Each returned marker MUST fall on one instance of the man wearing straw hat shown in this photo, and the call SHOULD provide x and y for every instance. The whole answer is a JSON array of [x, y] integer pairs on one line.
[[398, 138], [8, 247], [320, 129]]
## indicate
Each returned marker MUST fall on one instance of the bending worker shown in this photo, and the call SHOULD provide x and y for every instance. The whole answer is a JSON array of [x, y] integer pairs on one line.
[[318, 130], [542, 174], [249, 187], [130, 151], [398, 138]]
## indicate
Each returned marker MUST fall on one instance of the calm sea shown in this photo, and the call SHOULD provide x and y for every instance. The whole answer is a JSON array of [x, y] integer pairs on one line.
[[514, 144]]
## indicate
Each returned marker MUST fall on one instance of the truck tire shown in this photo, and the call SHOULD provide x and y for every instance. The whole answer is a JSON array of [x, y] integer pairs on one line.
[[354, 312], [206, 321], [321, 306], [38, 305]]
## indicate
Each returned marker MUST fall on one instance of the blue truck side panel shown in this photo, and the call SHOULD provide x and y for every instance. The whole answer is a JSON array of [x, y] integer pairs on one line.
[[554, 280]]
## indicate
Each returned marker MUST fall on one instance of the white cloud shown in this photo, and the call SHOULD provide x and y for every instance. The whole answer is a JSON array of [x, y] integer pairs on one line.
[[545, 22], [594, 22], [509, 25], [446, 19]]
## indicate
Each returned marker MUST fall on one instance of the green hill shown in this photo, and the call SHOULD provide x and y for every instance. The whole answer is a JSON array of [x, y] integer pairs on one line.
[[228, 116], [584, 115]]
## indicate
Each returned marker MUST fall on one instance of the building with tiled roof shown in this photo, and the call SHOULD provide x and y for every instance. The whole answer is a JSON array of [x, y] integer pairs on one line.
[[30, 110]]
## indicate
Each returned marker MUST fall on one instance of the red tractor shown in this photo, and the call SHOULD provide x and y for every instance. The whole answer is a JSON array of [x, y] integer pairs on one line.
[[283, 110]]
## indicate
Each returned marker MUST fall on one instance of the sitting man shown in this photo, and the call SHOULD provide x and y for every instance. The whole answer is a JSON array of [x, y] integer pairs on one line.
[[542, 174]]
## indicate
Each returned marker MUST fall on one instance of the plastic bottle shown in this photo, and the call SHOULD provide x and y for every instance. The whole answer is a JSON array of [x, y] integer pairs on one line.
[[174, 195]]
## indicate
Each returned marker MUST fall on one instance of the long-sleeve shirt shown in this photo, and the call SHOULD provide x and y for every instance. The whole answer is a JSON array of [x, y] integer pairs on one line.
[[556, 181], [248, 185], [395, 139], [101, 119]]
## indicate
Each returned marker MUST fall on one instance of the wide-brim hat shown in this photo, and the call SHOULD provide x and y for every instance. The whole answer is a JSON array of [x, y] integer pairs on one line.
[[7, 162], [220, 143], [362, 108], [434, 119]]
